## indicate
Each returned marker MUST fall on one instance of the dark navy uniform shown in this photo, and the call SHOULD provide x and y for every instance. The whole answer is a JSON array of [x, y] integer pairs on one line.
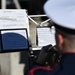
[[65, 67]]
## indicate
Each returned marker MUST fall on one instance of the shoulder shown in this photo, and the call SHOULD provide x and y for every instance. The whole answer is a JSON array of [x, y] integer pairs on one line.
[[42, 70]]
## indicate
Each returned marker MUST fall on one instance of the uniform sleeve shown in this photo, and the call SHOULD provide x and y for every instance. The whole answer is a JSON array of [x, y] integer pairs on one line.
[[40, 70]]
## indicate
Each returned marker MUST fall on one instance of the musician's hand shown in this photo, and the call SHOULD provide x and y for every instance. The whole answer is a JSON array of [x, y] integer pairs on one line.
[[43, 55]]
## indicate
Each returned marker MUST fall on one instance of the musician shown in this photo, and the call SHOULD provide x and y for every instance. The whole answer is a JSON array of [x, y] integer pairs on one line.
[[62, 15]]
